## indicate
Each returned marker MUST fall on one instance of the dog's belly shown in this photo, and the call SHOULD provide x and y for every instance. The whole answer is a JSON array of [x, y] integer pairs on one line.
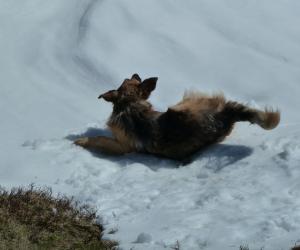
[[182, 134]]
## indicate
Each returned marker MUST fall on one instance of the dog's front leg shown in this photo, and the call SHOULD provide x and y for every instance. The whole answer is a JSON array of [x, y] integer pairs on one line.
[[104, 144]]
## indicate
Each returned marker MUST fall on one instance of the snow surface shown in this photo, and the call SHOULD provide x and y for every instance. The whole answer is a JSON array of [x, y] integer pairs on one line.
[[57, 56]]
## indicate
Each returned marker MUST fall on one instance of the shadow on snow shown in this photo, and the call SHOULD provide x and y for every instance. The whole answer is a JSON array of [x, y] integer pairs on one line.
[[215, 157]]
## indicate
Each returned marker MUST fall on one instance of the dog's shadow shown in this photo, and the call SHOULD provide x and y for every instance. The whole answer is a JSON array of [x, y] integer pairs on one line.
[[215, 157]]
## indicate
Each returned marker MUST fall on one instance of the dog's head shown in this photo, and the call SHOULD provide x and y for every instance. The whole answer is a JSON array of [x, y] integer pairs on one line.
[[131, 90]]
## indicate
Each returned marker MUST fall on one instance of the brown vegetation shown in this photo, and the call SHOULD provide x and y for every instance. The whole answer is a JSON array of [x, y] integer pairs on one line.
[[33, 219]]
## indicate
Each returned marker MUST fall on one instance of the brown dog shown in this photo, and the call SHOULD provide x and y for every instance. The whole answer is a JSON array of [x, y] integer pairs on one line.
[[193, 124]]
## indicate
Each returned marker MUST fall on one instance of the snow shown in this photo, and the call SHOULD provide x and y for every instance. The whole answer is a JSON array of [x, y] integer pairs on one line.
[[58, 56]]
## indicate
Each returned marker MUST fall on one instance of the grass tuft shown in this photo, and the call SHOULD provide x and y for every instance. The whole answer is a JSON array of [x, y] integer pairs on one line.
[[33, 219], [244, 248]]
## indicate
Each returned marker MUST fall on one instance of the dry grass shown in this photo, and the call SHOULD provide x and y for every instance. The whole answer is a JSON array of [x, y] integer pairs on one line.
[[244, 248], [33, 219]]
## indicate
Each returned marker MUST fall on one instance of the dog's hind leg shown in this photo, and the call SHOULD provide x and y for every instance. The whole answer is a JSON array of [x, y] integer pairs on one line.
[[103, 144], [267, 119]]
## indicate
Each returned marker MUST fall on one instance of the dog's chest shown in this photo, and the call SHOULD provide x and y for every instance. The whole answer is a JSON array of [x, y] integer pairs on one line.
[[124, 139]]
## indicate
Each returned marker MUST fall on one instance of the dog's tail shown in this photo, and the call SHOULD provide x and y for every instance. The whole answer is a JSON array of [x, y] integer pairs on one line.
[[267, 119]]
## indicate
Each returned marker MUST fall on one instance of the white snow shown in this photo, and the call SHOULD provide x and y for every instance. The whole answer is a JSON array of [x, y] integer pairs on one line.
[[57, 56]]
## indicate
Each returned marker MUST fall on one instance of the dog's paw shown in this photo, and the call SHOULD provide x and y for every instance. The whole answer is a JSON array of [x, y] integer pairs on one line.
[[81, 141]]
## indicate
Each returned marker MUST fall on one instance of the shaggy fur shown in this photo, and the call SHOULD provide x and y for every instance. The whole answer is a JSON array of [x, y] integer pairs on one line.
[[194, 123]]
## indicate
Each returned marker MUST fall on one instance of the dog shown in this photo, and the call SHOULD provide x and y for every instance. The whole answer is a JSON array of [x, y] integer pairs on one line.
[[193, 124]]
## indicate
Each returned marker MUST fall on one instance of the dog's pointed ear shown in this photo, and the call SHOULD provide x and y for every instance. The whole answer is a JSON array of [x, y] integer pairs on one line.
[[136, 77], [110, 96], [148, 86]]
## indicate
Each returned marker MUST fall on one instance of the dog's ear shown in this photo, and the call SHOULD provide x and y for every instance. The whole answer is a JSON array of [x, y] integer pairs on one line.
[[136, 77], [148, 86], [110, 96]]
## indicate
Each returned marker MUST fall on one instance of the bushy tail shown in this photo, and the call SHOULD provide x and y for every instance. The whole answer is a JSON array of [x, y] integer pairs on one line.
[[267, 119]]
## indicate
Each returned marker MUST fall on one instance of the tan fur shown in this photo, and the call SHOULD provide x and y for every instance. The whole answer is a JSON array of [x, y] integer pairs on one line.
[[104, 144], [196, 102], [128, 143], [268, 119]]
